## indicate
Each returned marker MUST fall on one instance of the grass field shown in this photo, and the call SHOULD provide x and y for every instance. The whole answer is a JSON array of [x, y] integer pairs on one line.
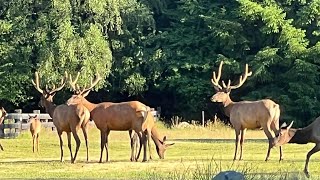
[[198, 153]]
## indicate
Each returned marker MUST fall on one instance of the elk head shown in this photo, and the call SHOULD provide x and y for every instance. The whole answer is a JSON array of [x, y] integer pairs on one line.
[[162, 147], [222, 92], [47, 94], [3, 113], [79, 94], [284, 135], [31, 118]]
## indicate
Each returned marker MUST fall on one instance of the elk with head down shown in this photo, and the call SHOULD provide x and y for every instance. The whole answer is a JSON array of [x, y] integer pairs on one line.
[[3, 114], [246, 114], [35, 128], [66, 118], [125, 116], [311, 133]]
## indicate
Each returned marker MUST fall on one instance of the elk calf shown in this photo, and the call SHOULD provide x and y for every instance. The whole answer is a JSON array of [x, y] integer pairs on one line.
[[305, 135], [35, 127], [3, 113]]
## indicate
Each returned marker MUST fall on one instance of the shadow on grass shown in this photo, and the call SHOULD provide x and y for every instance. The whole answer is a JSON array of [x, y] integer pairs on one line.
[[218, 140]]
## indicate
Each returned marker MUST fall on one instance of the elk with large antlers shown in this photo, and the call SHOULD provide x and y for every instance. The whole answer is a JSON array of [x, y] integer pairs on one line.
[[35, 128], [125, 116], [311, 133], [246, 114], [3, 114], [66, 118]]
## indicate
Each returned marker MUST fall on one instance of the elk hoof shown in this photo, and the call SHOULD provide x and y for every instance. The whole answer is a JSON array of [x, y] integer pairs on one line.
[[306, 173], [144, 160]]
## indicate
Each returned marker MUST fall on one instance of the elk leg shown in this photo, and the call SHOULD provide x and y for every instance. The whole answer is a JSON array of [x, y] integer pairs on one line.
[[61, 144], [132, 143], [144, 140], [107, 145], [33, 141], [1, 147], [275, 129], [269, 135], [149, 142], [102, 144], [85, 135], [237, 143], [241, 142], [78, 142], [312, 151], [140, 145], [69, 145], [37, 142]]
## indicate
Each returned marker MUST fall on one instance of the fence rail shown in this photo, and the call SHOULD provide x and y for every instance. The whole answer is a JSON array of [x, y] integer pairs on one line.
[[18, 122]]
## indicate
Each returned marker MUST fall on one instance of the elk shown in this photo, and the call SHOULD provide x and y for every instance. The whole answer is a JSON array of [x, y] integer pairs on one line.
[[311, 133], [3, 114], [66, 118], [246, 114], [35, 127], [125, 116]]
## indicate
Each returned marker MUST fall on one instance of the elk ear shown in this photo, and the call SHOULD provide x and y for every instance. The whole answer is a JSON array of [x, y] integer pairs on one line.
[[283, 125], [52, 94], [167, 145], [290, 125], [164, 138], [216, 88]]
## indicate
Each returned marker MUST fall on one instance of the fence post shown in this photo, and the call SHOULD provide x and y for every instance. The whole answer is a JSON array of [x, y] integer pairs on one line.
[[202, 118], [19, 111]]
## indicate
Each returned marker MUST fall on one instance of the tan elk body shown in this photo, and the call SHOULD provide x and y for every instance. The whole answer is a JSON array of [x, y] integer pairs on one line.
[[35, 128], [246, 114], [66, 118], [3, 114], [125, 116], [309, 134]]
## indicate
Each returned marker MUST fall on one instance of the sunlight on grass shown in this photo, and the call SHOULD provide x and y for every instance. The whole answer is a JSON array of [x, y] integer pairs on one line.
[[198, 153]]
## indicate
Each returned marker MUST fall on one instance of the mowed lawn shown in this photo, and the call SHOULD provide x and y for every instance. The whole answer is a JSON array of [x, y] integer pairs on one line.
[[198, 153]]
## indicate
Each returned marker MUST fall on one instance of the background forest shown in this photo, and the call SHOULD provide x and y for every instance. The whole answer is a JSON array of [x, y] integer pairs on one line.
[[163, 52]]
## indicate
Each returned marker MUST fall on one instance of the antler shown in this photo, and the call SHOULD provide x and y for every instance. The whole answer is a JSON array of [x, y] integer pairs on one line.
[[36, 84], [62, 83], [215, 79], [76, 88], [242, 79]]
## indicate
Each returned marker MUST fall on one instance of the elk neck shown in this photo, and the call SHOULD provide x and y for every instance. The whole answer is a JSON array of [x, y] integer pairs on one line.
[[156, 137], [50, 107], [299, 136], [227, 106], [89, 105]]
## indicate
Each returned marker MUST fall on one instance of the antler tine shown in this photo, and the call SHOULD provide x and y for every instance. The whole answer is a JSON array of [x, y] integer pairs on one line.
[[93, 83], [215, 79], [243, 78], [226, 86], [37, 84], [63, 82], [73, 82]]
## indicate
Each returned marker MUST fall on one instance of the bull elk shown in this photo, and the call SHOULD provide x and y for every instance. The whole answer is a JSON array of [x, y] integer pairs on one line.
[[66, 118], [125, 116], [3, 114], [35, 128], [311, 133], [246, 114]]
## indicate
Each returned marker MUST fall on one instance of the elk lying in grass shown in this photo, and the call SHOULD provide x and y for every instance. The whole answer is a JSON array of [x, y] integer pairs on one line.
[[3, 114], [125, 116], [246, 114], [305, 135], [35, 127], [66, 118]]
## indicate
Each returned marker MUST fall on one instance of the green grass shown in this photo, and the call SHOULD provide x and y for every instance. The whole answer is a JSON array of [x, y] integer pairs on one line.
[[198, 153]]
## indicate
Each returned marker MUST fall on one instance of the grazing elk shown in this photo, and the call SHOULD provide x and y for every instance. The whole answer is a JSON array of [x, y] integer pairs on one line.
[[66, 118], [125, 116], [35, 127], [3, 114], [311, 133], [246, 114]]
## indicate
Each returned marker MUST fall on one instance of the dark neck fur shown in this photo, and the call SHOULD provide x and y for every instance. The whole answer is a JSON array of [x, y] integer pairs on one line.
[[300, 136]]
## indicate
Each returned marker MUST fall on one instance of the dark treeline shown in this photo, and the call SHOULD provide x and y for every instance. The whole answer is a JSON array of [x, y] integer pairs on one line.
[[163, 52]]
